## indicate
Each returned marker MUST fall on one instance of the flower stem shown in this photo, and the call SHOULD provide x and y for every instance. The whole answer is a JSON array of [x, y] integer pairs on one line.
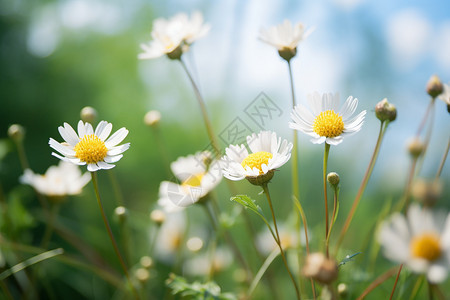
[[379, 280], [50, 225], [444, 158], [262, 270], [111, 236], [201, 102], [395, 283], [325, 162], [430, 291], [335, 211], [362, 187], [425, 117], [278, 240]]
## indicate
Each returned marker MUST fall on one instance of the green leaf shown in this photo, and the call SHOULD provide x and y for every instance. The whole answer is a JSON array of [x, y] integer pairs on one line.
[[247, 202]]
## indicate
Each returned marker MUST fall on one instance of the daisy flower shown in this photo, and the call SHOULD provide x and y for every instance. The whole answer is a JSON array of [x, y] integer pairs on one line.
[[58, 181], [173, 37], [285, 37], [268, 153], [198, 175], [421, 241], [90, 148], [327, 123]]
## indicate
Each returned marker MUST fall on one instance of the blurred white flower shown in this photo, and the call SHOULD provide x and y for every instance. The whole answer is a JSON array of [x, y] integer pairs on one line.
[[445, 96], [202, 264], [90, 148], [174, 36], [58, 181], [268, 153], [170, 236], [324, 124], [199, 174], [288, 238], [421, 241]]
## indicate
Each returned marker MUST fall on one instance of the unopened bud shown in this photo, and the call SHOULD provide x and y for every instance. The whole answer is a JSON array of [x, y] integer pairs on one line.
[[121, 213], [16, 132], [342, 289], [88, 114], [177, 52], [333, 178], [142, 275], [434, 86], [152, 118], [158, 216], [416, 147], [427, 192], [146, 262], [194, 244], [320, 268], [287, 53], [385, 111]]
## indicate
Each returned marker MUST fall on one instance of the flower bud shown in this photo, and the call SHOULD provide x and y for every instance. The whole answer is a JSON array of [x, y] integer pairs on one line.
[[142, 275], [287, 53], [427, 192], [385, 111], [88, 114], [342, 289], [333, 178], [320, 268], [416, 147], [434, 86], [194, 244], [121, 213], [152, 118], [146, 262], [177, 52], [16, 132], [158, 216]]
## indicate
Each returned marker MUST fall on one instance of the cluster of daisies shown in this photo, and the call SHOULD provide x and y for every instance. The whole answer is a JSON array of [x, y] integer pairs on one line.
[[421, 240]]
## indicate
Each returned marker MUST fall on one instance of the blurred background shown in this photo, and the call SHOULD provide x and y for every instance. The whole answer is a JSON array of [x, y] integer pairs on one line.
[[57, 57]]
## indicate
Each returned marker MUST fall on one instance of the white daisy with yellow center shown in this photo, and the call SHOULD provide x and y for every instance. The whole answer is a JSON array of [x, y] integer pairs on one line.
[[197, 174], [90, 148], [327, 122], [173, 36], [58, 181], [284, 36], [421, 241], [268, 154]]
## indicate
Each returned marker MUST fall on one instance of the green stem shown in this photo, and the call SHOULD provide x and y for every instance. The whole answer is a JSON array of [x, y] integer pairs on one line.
[[430, 291], [404, 203], [335, 211], [417, 287], [262, 270], [325, 162], [201, 102], [111, 236], [379, 280], [362, 187], [50, 225], [444, 158], [425, 117], [278, 240]]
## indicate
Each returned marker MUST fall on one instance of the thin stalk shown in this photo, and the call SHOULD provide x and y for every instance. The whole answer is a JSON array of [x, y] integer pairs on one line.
[[278, 240], [262, 270], [201, 102], [430, 291], [116, 187], [325, 162], [417, 287], [395, 283], [426, 139], [111, 236], [444, 158], [154, 238], [335, 211], [379, 280], [362, 187], [425, 117], [50, 225], [404, 202]]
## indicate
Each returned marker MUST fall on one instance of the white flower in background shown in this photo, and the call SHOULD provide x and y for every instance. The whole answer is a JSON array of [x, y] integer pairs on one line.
[[445, 96], [58, 181], [268, 154], [198, 174], [90, 148], [285, 37], [421, 241], [170, 236], [174, 36], [201, 265], [266, 243], [327, 122]]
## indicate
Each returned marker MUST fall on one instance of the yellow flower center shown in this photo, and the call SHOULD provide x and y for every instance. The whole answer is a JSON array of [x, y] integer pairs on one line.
[[427, 246], [194, 180], [91, 149], [255, 160], [329, 124]]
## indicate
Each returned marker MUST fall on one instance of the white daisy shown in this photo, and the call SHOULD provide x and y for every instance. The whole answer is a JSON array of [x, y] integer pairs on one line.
[[173, 36], [268, 153], [198, 175], [170, 236], [202, 264], [327, 123], [421, 241], [58, 181], [445, 96], [90, 148], [285, 37]]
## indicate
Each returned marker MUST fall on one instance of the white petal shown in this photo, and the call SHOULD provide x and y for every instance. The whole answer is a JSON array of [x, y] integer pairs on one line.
[[92, 167], [236, 153], [103, 130], [334, 141], [113, 159], [437, 273], [117, 137], [65, 150], [81, 129], [118, 149], [104, 165], [68, 134]]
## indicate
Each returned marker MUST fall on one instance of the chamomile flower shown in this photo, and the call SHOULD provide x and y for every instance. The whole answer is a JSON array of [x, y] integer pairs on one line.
[[90, 148], [285, 37], [421, 241], [327, 122], [268, 154], [198, 175], [58, 181], [173, 37]]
